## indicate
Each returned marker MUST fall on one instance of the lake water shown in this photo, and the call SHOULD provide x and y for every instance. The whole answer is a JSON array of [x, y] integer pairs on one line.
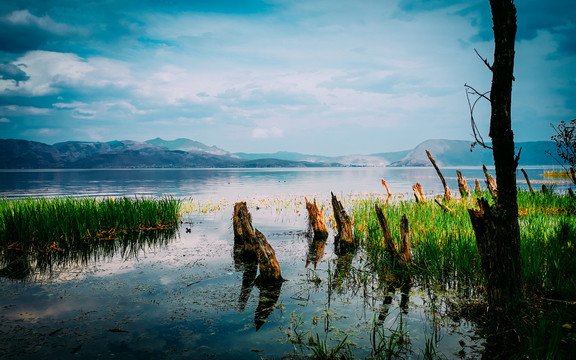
[[186, 297]]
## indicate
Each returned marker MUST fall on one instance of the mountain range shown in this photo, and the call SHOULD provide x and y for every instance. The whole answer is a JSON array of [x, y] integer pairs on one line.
[[186, 153]]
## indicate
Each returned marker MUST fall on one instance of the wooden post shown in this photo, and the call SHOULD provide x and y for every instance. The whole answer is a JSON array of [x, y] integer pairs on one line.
[[405, 247], [386, 186], [345, 237], [447, 195], [316, 220], [418, 193], [462, 186], [527, 180], [490, 183]]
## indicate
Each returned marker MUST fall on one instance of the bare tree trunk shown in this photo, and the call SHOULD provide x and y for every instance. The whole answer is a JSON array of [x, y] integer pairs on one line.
[[345, 237], [497, 231], [447, 195], [316, 220]]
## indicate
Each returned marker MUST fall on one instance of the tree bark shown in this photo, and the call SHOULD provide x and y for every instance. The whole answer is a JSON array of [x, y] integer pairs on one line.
[[447, 195], [497, 230]]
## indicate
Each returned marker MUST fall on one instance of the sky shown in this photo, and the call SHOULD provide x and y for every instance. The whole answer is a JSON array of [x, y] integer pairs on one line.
[[325, 77]]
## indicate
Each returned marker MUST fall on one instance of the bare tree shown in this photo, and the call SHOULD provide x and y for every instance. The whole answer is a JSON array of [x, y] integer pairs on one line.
[[496, 227], [565, 139]]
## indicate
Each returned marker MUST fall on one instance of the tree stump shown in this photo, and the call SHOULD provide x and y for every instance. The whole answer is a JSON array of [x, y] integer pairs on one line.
[[490, 183], [405, 247], [386, 186], [418, 193], [447, 195], [477, 187], [345, 237], [462, 186], [250, 244], [398, 258], [527, 180], [316, 220]]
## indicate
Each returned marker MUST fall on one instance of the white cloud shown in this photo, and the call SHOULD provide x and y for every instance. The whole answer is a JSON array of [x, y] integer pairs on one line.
[[261, 133], [4, 120], [24, 17], [22, 110]]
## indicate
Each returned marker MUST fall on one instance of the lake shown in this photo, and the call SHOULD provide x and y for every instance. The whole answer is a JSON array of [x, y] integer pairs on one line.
[[185, 296]]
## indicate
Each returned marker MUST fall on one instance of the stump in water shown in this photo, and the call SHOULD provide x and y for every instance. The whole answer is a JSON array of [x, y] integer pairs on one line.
[[398, 258], [405, 247], [527, 180], [418, 193], [490, 183], [462, 186], [344, 238], [250, 244], [316, 220], [477, 187], [447, 195], [386, 186]]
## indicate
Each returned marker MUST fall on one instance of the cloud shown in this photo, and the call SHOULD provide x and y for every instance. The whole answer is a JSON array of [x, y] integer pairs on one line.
[[4, 120], [22, 110], [21, 31], [13, 72], [261, 133]]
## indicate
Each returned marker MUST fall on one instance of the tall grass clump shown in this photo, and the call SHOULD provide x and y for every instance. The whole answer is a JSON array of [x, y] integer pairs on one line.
[[39, 232]]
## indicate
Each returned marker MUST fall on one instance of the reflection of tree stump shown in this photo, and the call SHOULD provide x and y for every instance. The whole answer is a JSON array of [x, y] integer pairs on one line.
[[418, 193], [462, 186], [447, 195], [490, 183], [316, 220], [345, 237], [248, 280], [398, 258], [315, 251], [266, 303], [250, 244]]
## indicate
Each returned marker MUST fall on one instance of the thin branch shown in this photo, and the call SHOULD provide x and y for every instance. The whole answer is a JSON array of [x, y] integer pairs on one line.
[[476, 132], [484, 60]]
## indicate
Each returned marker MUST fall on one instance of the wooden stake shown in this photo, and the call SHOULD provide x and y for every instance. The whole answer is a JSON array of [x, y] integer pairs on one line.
[[477, 187], [405, 247], [447, 194]]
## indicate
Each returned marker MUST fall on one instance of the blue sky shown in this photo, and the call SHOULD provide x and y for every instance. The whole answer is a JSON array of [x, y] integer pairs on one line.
[[327, 77]]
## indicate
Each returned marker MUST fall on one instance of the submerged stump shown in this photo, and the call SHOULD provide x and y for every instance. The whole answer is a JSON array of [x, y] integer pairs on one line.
[[400, 258], [419, 193], [462, 186]]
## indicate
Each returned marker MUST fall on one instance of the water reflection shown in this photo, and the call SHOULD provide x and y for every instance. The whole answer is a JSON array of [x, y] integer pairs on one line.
[[18, 264]]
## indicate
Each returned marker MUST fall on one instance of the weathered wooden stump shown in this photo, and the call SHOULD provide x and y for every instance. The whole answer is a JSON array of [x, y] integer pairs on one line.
[[386, 186], [477, 187], [462, 186], [398, 257], [250, 244], [447, 195], [418, 193], [490, 183], [316, 220], [344, 238]]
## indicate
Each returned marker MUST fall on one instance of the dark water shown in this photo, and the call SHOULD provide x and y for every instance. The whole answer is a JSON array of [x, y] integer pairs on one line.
[[184, 298]]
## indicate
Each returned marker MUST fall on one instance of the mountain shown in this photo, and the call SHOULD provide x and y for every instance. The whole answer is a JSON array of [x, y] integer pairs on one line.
[[189, 146], [459, 153], [185, 153], [23, 154]]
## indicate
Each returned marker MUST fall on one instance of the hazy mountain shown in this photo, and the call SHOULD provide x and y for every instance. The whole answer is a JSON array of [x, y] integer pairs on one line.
[[190, 146], [158, 153], [22, 154], [459, 153]]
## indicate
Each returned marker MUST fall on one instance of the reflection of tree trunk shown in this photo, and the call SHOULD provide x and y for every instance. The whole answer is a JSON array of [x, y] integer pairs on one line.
[[316, 219], [344, 239], [343, 265], [315, 251], [248, 280], [390, 292], [266, 303]]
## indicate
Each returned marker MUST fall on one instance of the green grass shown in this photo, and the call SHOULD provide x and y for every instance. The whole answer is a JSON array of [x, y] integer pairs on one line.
[[444, 245], [39, 233]]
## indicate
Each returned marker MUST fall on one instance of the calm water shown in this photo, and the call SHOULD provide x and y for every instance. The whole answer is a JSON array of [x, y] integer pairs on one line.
[[185, 298]]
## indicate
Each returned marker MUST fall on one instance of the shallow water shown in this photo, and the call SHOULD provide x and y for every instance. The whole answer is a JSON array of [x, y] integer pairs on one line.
[[185, 299]]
